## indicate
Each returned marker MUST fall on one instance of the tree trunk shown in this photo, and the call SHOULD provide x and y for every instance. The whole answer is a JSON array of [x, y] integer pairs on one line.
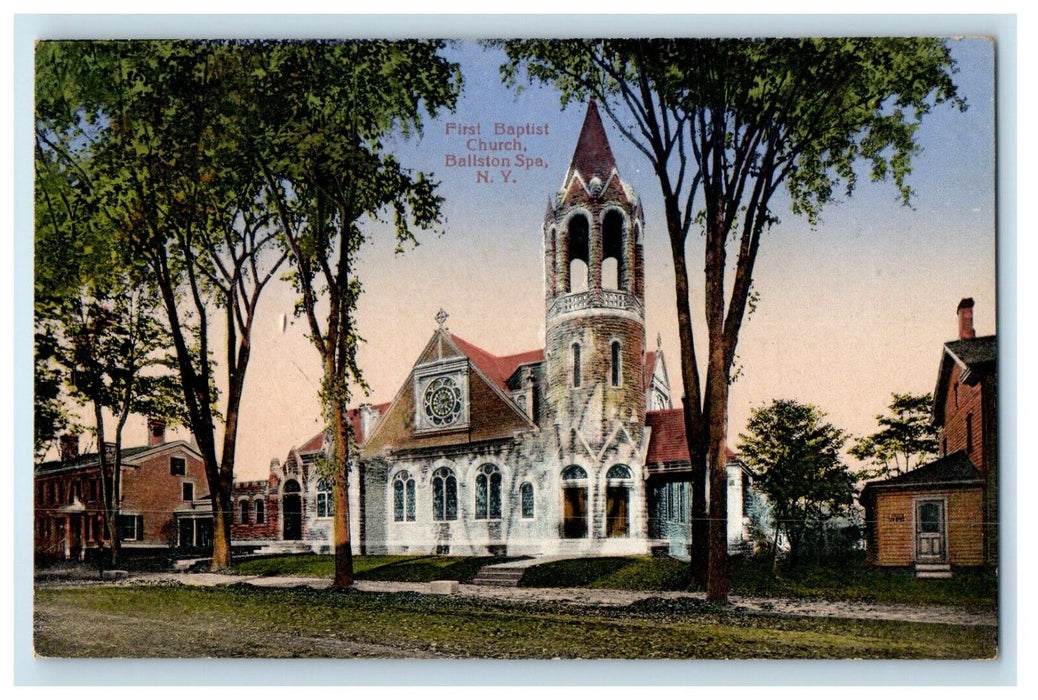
[[221, 530], [343, 547], [717, 410]]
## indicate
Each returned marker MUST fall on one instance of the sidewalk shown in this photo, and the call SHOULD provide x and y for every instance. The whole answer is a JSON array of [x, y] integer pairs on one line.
[[598, 597]]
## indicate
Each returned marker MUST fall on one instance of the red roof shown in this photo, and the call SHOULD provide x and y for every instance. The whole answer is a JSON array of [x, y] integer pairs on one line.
[[497, 369], [353, 415], [667, 442], [650, 366], [593, 155]]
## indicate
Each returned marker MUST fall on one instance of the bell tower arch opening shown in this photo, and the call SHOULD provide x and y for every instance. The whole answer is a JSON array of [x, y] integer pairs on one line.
[[614, 253], [578, 254]]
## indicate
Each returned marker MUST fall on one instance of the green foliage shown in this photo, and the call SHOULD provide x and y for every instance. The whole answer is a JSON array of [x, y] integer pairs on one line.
[[795, 457], [905, 433]]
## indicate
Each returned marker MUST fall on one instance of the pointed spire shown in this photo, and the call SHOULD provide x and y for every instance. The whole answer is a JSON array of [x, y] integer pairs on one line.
[[593, 155]]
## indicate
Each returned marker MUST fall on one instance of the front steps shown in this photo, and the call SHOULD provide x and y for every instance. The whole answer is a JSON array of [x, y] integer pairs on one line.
[[933, 571], [285, 547], [499, 575]]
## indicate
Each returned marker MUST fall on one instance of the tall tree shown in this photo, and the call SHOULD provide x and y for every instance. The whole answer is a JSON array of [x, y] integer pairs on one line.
[[726, 124], [171, 170], [906, 433], [795, 457], [326, 174]]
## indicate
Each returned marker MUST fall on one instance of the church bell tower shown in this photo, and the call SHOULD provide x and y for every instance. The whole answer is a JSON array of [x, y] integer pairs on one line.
[[594, 296]]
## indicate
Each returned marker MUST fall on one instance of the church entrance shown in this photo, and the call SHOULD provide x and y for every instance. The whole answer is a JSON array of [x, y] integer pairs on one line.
[[292, 512], [574, 503], [616, 511], [618, 499]]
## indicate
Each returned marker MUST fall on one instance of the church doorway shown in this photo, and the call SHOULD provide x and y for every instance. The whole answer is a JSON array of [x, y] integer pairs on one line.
[[618, 501], [574, 503], [292, 512]]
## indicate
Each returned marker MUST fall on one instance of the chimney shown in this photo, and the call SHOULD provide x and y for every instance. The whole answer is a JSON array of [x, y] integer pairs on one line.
[[69, 447], [368, 418], [156, 432], [965, 312]]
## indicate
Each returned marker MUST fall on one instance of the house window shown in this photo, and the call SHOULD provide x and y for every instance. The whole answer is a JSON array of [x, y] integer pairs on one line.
[[576, 365], [131, 527], [243, 506], [526, 496], [969, 432], [615, 366], [187, 491], [488, 493], [325, 500], [403, 497], [445, 495], [955, 388], [177, 466], [261, 513]]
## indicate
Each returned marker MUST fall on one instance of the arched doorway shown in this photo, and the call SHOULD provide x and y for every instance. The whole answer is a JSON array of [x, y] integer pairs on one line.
[[574, 502], [618, 501], [292, 511]]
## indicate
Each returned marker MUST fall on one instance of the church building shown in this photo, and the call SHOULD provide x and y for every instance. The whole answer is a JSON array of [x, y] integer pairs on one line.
[[571, 449]]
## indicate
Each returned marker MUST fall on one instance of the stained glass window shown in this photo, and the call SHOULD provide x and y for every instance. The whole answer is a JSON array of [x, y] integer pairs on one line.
[[526, 494]]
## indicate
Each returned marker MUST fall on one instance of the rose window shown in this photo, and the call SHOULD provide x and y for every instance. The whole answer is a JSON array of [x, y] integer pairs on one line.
[[443, 402]]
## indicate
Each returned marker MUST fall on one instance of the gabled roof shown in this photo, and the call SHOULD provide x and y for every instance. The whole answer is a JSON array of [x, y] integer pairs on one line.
[[667, 443], [497, 369], [592, 155], [130, 455], [955, 468], [976, 357], [650, 367]]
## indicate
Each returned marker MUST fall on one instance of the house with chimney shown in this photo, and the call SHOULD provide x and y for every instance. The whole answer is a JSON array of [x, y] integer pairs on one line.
[[945, 513], [574, 448], [163, 489]]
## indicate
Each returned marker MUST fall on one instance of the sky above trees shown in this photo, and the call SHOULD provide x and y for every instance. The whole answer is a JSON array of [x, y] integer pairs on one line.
[[850, 311]]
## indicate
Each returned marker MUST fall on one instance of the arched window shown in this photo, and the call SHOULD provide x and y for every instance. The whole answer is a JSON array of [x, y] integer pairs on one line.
[[445, 495], [261, 512], [488, 493], [325, 501], [403, 497], [573, 472], [575, 359], [614, 354], [526, 497], [244, 508], [614, 270], [578, 259], [618, 471]]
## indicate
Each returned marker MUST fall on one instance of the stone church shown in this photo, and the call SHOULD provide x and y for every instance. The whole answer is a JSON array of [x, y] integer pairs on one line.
[[574, 449]]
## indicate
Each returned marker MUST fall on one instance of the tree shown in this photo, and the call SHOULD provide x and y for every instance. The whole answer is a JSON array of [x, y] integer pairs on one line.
[[326, 173], [905, 433], [795, 457], [98, 341], [726, 124], [171, 170]]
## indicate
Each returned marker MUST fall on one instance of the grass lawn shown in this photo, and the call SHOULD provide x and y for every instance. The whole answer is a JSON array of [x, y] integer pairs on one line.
[[242, 621], [853, 581], [385, 568]]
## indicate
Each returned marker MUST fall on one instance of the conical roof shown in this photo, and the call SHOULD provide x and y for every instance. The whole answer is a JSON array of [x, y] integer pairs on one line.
[[593, 155]]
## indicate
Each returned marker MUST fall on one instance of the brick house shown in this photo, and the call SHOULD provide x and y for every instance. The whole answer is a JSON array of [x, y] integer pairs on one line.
[[945, 513], [162, 483], [539, 452]]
